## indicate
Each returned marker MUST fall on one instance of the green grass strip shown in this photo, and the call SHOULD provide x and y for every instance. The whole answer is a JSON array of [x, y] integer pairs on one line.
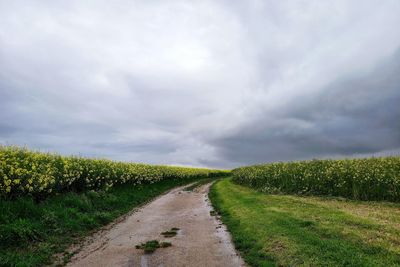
[[285, 230]]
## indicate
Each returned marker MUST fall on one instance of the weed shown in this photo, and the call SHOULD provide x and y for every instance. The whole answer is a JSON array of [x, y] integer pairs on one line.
[[149, 246], [152, 245], [170, 233]]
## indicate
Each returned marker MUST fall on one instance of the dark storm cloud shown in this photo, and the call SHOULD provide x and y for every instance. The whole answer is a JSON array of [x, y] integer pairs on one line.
[[354, 115], [204, 83]]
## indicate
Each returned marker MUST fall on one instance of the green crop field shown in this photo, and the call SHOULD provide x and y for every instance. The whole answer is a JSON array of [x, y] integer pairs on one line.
[[25, 172], [361, 179]]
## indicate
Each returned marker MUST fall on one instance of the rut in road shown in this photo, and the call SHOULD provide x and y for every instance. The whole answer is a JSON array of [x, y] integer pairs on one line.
[[201, 241]]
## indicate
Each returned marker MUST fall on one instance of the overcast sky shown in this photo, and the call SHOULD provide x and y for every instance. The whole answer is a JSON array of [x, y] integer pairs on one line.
[[201, 83]]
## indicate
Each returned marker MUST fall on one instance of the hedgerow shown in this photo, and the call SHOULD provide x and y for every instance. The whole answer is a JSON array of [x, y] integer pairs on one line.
[[26, 172], [360, 179]]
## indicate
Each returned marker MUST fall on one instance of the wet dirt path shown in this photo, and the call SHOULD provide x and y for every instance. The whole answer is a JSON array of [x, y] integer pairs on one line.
[[201, 240]]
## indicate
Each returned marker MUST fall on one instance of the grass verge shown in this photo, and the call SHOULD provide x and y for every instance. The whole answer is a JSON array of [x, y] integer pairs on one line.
[[283, 230], [30, 233]]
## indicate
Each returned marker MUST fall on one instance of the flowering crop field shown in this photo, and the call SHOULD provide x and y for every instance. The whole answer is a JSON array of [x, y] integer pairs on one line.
[[360, 179], [26, 172]]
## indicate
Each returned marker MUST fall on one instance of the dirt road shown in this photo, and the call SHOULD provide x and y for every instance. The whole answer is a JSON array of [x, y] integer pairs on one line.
[[201, 240]]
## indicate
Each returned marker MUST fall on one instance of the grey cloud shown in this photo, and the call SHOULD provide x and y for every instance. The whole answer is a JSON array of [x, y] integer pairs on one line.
[[351, 116], [204, 83]]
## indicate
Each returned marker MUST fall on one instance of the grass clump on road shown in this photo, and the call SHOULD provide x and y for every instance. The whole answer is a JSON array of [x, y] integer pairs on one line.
[[171, 233], [153, 245], [286, 230]]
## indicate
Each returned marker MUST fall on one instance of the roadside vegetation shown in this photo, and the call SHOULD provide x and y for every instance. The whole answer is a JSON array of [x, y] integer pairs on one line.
[[25, 172], [290, 230], [360, 179], [31, 233]]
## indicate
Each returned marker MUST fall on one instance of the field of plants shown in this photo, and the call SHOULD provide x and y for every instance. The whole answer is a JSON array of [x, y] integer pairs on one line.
[[26, 172], [359, 179]]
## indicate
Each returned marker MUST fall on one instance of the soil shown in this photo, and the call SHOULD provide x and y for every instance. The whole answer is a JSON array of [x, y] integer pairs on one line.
[[201, 240]]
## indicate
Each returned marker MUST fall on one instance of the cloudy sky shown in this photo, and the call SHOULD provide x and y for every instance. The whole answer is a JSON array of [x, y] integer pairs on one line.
[[201, 83]]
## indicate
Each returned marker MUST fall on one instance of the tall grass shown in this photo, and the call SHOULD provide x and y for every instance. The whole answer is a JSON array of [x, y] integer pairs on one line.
[[360, 179], [26, 172]]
